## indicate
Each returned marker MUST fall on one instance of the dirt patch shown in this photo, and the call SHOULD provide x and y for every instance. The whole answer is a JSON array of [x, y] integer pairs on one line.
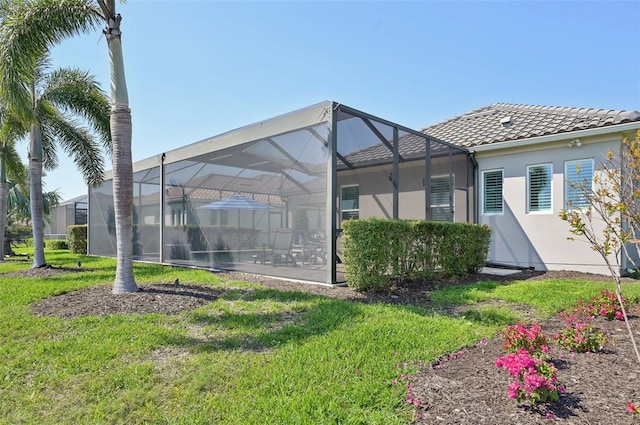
[[467, 390], [153, 298]]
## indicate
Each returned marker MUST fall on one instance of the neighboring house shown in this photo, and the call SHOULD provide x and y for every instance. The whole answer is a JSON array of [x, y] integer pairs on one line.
[[526, 156], [503, 165], [67, 213]]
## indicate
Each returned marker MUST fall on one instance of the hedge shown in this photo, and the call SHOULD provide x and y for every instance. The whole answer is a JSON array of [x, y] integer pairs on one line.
[[379, 253], [77, 239], [56, 244]]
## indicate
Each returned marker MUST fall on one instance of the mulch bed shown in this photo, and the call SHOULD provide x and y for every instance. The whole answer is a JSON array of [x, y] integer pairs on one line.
[[467, 390], [471, 389]]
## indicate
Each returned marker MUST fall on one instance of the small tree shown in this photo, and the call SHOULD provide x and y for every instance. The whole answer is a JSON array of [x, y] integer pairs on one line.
[[610, 221]]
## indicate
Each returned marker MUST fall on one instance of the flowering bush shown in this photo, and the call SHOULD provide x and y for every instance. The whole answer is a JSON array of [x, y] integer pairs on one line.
[[605, 304], [536, 379], [632, 408], [519, 337], [581, 337]]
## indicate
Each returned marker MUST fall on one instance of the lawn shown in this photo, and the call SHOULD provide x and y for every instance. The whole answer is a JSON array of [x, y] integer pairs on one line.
[[254, 355]]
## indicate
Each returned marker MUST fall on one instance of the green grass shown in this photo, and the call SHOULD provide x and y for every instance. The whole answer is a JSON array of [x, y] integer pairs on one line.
[[546, 297], [253, 356]]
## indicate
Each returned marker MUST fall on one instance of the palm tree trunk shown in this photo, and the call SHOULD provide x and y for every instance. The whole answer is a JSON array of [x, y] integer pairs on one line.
[[3, 200], [122, 160], [35, 193], [123, 199]]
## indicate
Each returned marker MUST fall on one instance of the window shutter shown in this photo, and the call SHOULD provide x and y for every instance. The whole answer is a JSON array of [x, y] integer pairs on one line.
[[540, 177], [492, 184], [578, 176]]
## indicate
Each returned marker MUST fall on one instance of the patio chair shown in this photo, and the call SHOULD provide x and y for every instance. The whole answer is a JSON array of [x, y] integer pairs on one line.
[[280, 251]]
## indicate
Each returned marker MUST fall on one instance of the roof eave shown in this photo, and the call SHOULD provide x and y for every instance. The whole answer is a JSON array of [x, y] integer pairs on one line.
[[618, 128]]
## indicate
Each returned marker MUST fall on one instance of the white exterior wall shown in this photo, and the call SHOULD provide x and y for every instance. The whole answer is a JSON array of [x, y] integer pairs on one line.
[[539, 239]]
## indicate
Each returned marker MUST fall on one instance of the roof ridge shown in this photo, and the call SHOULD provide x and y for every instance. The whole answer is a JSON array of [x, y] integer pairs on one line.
[[567, 110], [475, 112]]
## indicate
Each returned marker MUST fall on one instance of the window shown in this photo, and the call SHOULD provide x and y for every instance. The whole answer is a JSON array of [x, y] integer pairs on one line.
[[578, 176], [440, 198], [539, 178], [350, 202], [492, 192]]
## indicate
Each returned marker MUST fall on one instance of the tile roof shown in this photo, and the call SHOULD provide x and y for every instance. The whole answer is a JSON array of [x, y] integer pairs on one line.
[[410, 147], [501, 122]]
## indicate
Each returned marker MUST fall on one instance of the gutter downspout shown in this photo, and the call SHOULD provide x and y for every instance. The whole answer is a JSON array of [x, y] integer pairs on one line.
[[476, 188]]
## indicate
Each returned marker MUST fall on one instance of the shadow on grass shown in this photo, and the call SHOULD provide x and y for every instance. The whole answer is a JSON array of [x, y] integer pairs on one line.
[[491, 316], [258, 330]]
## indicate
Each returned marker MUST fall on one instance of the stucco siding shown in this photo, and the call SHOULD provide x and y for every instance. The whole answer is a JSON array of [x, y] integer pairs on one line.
[[376, 191], [411, 193], [539, 239]]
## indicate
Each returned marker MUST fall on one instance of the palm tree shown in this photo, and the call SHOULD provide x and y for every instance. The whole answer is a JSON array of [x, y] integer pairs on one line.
[[10, 164], [57, 98], [122, 160], [18, 204], [34, 27]]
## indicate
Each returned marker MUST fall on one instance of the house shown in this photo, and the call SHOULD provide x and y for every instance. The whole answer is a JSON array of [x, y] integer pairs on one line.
[[315, 167], [526, 158], [67, 213]]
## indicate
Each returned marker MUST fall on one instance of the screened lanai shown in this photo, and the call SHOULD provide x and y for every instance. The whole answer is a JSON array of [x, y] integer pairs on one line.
[[269, 198]]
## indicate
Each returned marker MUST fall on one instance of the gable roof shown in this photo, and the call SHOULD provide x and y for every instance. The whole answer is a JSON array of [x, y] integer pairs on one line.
[[501, 122]]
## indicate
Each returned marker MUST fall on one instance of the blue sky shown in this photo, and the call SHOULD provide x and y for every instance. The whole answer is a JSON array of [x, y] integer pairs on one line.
[[199, 68]]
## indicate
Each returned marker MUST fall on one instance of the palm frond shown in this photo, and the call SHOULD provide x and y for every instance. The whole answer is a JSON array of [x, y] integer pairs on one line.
[[16, 170], [29, 28], [18, 203], [11, 129], [50, 199], [49, 148], [41, 70], [78, 92], [79, 144]]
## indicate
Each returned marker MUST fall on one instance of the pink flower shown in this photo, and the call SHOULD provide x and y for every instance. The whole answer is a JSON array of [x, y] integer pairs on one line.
[[632, 408], [514, 388]]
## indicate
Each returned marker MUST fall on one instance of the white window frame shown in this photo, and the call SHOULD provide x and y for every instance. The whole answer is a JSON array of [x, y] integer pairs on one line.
[[484, 191], [568, 182], [549, 209], [349, 210]]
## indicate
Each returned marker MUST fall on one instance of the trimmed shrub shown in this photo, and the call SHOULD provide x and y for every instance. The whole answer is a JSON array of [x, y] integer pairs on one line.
[[56, 244], [77, 239], [380, 253]]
